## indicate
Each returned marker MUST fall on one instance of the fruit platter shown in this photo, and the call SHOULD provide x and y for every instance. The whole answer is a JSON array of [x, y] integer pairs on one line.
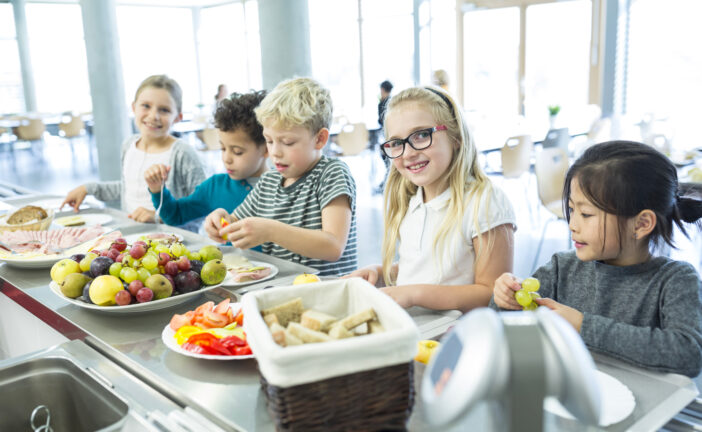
[[145, 275], [212, 332]]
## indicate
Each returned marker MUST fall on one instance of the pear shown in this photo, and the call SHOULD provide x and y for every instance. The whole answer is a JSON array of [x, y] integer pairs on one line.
[[213, 272], [72, 285], [209, 253], [161, 286]]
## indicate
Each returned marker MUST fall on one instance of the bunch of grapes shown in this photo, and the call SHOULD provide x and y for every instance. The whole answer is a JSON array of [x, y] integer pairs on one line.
[[133, 266], [525, 296]]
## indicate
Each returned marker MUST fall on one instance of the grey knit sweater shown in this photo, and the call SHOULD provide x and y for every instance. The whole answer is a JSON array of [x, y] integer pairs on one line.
[[186, 173], [649, 314]]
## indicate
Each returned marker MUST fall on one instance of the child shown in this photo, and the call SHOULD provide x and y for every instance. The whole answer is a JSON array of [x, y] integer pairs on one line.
[[451, 228], [157, 106], [243, 154], [623, 198], [304, 211]]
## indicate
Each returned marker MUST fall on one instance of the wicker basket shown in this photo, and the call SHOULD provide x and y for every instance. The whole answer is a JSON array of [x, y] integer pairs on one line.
[[378, 399], [41, 225]]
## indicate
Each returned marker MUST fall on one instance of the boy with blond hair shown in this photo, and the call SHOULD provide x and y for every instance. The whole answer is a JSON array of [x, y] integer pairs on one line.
[[304, 210]]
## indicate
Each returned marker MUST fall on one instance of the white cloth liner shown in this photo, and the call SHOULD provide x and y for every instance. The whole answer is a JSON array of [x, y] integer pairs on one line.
[[295, 365]]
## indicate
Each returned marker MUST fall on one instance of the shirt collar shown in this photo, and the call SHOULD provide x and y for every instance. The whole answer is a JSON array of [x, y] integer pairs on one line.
[[437, 203]]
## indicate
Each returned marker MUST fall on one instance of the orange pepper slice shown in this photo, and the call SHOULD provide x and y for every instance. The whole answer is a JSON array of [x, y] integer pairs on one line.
[[224, 223]]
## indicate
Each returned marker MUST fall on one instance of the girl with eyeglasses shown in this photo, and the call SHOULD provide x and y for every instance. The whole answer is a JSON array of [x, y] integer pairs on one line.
[[450, 228]]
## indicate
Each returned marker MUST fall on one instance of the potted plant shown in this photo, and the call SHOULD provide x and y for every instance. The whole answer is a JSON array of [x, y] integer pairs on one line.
[[553, 111]]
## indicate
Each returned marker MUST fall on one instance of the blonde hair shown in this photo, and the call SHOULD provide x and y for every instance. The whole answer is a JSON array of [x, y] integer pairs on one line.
[[166, 83], [297, 102], [466, 179], [440, 78]]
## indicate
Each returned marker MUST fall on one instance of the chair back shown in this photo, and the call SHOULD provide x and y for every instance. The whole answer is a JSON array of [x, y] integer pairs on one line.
[[30, 129], [71, 128], [211, 138], [557, 138], [551, 167], [516, 159], [353, 139]]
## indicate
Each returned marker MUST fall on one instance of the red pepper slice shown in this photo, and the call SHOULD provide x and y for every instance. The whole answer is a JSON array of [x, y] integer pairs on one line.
[[202, 339], [240, 351], [197, 349], [233, 341], [219, 349]]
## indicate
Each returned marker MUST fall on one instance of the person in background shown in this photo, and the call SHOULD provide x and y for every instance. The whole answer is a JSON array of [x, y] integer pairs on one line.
[[222, 93], [451, 229], [623, 200], [440, 78], [304, 211], [243, 155], [385, 90], [157, 107]]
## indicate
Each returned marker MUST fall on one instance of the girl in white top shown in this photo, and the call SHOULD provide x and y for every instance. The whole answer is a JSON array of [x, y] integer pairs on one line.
[[157, 106], [451, 229]]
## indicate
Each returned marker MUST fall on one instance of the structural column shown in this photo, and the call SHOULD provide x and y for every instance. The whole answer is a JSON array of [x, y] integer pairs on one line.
[[30, 98], [285, 40], [106, 84]]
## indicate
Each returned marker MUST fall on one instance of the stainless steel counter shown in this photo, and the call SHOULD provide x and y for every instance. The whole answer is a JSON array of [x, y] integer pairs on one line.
[[228, 392]]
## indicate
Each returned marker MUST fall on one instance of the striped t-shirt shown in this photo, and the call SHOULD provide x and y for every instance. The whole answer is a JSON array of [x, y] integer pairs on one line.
[[300, 205]]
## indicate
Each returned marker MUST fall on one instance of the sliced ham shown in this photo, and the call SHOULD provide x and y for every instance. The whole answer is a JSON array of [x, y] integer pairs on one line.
[[50, 242], [250, 274]]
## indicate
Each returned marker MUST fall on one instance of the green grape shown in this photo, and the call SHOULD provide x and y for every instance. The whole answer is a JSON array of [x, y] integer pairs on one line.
[[177, 249], [85, 262], [532, 306], [127, 261], [152, 253], [149, 262], [523, 297], [161, 248], [143, 274], [531, 284], [128, 274], [155, 270], [194, 256], [135, 264], [115, 269], [535, 295]]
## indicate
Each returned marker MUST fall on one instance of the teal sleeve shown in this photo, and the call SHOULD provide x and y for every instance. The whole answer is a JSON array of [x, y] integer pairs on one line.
[[179, 211]]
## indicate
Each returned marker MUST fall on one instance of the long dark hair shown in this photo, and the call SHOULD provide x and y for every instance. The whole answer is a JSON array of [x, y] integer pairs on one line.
[[623, 178]]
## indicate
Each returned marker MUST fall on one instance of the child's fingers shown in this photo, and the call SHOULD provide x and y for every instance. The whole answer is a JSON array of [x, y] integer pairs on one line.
[[549, 303]]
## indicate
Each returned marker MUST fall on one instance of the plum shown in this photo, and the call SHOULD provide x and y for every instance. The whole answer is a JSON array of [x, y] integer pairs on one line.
[[100, 266], [187, 281], [86, 292], [196, 266]]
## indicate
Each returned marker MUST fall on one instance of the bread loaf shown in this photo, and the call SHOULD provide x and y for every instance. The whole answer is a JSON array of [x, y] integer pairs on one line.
[[338, 331], [355, 320], [315, 320], [307, 335], [287, 312]]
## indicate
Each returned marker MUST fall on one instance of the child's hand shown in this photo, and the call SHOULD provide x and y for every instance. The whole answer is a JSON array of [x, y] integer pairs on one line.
[[503, 293], [142, 215], [573, 316], [75, 198], [155, 176], [213, 224], [371, 274], [248, 232], [401, 294]]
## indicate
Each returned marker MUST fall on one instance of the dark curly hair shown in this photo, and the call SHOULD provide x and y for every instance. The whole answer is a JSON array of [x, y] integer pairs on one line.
[[237, 112]]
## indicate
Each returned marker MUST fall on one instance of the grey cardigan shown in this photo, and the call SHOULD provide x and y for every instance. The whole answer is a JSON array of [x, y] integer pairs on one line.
[[186, 174], [648, 314]]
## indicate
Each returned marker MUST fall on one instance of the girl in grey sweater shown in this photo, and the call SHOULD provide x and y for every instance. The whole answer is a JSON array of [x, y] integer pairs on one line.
[[622, 200]]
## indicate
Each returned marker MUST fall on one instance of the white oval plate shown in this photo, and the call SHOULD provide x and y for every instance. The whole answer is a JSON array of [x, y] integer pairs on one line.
[[89, 218], [229, 282], [617, 401], [136, 307], [170, 342]]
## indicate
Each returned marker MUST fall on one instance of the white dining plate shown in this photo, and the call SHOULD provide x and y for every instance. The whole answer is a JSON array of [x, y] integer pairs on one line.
[[617, 401], [229, 282], [149, 236], [28, 261], [89, 219], [170, 342], [135, 307]]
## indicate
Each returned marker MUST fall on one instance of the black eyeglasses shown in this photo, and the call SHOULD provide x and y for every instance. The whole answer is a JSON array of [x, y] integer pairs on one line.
[[419, 140]]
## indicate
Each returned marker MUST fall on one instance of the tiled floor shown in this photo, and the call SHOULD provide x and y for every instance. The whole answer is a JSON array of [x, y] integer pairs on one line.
[[57, 169]]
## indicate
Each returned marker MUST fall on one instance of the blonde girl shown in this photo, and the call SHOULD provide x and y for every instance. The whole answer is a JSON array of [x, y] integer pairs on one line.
[[157, 107], [450, 228]]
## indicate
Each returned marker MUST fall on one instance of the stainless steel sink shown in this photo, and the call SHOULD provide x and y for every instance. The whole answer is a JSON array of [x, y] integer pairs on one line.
[[75, 399]]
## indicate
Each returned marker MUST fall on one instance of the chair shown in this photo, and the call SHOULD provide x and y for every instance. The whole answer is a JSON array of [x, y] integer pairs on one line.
[[557, 138], [550, 167], [352, 139], [30, 130], [516, 159]]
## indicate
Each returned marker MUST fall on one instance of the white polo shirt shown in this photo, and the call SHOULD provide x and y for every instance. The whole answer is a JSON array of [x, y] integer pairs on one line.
[[417, 263], [136, 162]]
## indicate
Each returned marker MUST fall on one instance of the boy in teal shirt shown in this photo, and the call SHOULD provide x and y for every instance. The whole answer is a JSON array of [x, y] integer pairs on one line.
[[243, 153]]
